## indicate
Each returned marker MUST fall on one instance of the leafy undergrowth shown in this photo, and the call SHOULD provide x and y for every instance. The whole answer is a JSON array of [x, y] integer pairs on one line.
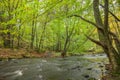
[[22, 53]]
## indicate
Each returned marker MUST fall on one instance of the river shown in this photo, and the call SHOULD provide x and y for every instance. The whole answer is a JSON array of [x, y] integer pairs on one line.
[[87, 67]]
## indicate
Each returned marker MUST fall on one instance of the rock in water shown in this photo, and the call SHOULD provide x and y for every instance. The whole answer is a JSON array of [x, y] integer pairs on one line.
[[86, 76]]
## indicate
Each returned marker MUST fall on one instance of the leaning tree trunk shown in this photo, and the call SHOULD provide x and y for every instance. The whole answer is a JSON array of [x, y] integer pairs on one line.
[[104, 34]]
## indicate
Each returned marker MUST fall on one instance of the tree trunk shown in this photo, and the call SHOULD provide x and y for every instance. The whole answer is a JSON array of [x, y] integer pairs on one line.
[[32, 35], [104, 36], [7, 40]]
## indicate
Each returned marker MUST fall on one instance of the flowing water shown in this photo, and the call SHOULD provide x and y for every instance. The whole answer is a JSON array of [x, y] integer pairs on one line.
[[71, 68]]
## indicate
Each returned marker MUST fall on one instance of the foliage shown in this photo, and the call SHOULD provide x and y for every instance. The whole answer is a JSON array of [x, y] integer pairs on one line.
[[43, 25]]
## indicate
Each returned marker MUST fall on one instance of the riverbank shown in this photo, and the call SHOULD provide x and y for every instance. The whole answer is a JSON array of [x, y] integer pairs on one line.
[[6, 53], [22, 53], [111, 76]]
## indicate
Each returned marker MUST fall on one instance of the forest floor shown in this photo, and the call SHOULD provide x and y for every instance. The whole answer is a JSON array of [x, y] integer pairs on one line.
[[6, 53], [22, 53]]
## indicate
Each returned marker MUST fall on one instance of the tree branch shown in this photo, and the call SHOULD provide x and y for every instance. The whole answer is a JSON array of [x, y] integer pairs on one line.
[[97, 42], [115, 37], [84, 20], [88, 22], [111, 13]]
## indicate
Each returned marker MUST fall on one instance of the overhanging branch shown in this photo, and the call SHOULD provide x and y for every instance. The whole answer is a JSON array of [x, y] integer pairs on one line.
[[84, 20], [111, 13], [87, 21], [97, 42]]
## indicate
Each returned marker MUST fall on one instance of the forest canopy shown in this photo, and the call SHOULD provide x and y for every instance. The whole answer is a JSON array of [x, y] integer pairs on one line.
[[46, 25]]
